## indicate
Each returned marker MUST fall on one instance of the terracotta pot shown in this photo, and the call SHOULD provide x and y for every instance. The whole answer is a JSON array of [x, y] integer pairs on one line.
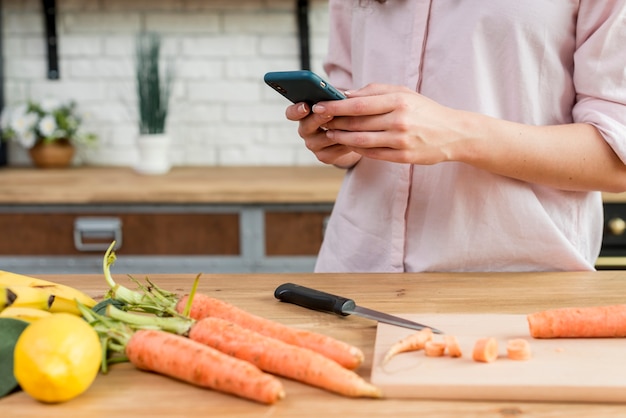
[[58, 154]]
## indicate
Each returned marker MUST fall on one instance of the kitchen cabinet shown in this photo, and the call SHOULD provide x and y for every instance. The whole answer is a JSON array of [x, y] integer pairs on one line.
[[235, 219]]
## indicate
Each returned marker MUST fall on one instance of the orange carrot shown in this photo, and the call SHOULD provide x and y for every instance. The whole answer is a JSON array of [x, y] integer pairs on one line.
[[485, 350], [278, 357], [204, 306], [187, 360], [434, 348], [588, 322], [413, 342], [452, 345], [518, 349]]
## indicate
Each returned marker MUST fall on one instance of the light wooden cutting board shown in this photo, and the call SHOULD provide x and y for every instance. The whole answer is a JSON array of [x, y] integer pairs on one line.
[[581, 370]]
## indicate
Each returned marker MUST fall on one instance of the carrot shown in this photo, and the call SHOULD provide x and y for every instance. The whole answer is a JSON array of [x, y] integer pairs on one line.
[[413, 342], [184, 359], [452, 345], [153, 299], [434, 348], [588, 322], [204, 306], [518, 349], [278, 357], [485, 350]]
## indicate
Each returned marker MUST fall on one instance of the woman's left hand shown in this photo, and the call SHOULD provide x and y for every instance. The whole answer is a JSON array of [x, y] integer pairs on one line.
[[392, 123]]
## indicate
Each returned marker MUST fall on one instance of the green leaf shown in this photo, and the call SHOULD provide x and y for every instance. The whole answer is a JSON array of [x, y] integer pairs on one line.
[[10, 330], [101, 307]]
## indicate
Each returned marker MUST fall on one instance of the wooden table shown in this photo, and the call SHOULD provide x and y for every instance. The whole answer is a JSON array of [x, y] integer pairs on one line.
[[126, 392]]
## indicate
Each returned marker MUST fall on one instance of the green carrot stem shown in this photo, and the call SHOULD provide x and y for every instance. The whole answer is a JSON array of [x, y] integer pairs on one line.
[[191, 295], [117, 291], [176, 325]]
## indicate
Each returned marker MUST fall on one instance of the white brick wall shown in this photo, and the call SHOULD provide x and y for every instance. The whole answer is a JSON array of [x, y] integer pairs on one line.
[[221, 111]]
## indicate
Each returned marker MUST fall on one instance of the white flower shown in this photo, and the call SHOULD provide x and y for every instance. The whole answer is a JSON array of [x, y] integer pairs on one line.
[[47, 126], [27, 139], [23, 123]]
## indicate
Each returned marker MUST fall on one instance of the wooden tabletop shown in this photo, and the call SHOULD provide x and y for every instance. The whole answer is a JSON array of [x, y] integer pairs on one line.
[[89, 185], [126, 392]]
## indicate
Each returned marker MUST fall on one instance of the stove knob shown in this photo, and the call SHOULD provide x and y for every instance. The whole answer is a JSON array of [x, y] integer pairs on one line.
[[617, 226]]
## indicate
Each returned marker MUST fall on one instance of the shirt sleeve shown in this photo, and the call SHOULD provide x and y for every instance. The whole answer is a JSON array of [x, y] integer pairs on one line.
[[338, 63], [600, 70]]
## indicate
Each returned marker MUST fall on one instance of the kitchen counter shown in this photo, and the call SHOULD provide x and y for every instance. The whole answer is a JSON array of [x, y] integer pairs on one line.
[[228, 219], [185, 185], [126, 392]]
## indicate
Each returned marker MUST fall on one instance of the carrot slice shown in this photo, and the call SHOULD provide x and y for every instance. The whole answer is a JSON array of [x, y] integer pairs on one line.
[[518, 349], [589, 322], [485, 350], [452, 345], [434, 348], [413, 342]]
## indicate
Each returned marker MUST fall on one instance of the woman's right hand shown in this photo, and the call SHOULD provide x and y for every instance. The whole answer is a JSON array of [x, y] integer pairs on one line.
[[311, 129]]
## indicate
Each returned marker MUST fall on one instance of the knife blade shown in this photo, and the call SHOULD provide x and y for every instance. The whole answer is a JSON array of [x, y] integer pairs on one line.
[[326, 302]]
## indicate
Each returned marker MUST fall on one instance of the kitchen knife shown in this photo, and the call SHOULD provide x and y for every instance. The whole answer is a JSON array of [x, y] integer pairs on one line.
[[322, 301]]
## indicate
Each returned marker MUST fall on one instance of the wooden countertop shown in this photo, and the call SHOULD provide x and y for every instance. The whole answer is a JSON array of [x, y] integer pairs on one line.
[[97, 185], [126, 392]]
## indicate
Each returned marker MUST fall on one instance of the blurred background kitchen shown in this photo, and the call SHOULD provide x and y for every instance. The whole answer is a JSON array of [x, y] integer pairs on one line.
[[223, 123], [236, 191]]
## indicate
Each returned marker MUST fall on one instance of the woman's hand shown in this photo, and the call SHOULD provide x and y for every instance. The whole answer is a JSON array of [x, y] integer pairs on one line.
[[315, 139], [390, 123]]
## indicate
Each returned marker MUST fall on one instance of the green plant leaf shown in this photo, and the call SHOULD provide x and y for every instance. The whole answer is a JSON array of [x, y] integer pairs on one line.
[[10, 331]]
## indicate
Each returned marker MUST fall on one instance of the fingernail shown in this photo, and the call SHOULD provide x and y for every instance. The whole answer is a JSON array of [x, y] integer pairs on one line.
[[347, 93], [304, 108], [319, 108]]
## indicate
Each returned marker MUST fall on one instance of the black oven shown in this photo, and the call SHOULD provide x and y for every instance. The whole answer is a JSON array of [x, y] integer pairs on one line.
[[613, 251]]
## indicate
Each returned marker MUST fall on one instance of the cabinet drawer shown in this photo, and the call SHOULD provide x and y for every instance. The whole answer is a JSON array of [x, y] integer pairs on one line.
[[294, 233], [143, 233]]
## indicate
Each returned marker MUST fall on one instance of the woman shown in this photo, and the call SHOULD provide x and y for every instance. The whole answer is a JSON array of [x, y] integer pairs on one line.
[[477, 135]]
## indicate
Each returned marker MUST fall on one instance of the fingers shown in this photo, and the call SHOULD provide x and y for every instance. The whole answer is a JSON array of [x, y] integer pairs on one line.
[[297, 111]]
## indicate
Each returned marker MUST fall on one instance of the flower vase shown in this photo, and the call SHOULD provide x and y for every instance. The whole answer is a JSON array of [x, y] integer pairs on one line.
[[57, 154], [154, 154]]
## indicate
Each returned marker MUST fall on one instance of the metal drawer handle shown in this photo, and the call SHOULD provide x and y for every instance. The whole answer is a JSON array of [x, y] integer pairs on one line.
[[96, 234]]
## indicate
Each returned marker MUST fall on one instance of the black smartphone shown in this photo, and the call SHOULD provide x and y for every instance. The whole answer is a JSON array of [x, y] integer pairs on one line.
[[302, 86]]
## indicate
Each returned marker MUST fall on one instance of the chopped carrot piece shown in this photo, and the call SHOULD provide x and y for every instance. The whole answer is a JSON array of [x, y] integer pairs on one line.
[[434, 348], [452, 345], [518, 349], [485, 350], [589, 322], [413, 342]]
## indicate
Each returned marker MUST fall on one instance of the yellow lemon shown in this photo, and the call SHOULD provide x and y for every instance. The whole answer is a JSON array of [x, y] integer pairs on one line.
[[57, 358]]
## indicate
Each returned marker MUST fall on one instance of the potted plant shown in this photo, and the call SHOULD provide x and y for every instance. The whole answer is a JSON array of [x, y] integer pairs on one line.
[[50, 130], [153, 96]]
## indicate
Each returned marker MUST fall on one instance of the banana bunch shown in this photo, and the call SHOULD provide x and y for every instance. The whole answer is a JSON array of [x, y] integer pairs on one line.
[[29, 298]]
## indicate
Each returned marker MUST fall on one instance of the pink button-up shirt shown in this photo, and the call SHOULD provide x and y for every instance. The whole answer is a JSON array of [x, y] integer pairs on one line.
[[537, 62]]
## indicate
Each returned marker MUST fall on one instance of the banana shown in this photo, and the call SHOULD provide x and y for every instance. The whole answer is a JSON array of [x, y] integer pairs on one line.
[[57, 289], [26, 297], [24, 314]]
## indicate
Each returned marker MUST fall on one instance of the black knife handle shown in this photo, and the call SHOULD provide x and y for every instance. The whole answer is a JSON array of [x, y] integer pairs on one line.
[[313, 299]]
